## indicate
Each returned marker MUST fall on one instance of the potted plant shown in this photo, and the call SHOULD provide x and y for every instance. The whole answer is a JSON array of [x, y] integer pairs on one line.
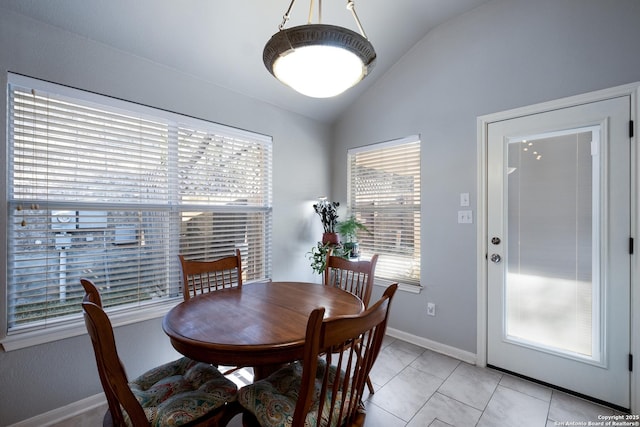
[[318, 256], [348, 229], [328, 212]]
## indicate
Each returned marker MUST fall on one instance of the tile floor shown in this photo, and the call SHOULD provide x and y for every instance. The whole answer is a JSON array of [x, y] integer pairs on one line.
[[415, 387]]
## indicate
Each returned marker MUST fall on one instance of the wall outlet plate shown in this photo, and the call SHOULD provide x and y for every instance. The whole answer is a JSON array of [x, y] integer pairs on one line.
[[431, 309]]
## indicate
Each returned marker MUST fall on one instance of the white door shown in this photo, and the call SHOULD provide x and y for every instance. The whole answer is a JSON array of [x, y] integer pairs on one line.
[[558, 223]]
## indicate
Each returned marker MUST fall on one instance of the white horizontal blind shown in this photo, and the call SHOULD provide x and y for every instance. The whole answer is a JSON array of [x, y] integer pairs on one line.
[[113, 195], [225, 193], [384, 193]]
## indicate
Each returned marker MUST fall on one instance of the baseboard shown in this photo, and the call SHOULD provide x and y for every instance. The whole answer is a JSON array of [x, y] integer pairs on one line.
[[454, 352], [64, 413]]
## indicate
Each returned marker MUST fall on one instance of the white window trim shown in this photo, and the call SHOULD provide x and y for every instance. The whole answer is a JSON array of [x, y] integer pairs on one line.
[[403, 287], [77, 327]]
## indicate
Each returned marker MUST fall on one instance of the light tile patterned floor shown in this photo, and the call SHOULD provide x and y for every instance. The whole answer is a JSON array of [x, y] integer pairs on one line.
[[418, 388], [415, 387]]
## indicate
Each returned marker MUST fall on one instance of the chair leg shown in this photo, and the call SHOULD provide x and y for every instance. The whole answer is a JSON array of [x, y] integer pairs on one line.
[[359, 419], [231, 370], [370, 385]]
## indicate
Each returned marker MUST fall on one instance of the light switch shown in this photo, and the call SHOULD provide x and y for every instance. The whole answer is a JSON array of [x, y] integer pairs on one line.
[[464, 199], [465, 217]]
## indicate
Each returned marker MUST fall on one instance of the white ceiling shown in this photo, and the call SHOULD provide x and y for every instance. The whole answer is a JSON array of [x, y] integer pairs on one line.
[[222, 41]]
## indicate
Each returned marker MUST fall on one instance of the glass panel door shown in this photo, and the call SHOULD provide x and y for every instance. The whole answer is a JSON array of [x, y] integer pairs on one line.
[[558, 262]]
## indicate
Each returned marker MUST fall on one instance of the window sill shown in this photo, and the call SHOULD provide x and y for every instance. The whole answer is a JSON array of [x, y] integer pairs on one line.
[[414, 289], [19, 340]]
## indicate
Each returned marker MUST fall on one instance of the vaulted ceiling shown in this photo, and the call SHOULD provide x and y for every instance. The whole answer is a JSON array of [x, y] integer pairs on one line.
[[221, 42]]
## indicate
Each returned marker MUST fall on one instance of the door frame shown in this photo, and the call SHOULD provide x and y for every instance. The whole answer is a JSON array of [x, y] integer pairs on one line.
[[483, 122]]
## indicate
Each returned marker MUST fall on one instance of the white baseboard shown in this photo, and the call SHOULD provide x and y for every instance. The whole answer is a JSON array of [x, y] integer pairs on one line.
[[454, 352], [68, 411]]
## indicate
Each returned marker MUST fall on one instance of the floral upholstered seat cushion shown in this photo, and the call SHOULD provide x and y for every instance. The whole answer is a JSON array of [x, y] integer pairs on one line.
[[273, 400], [178, 392]]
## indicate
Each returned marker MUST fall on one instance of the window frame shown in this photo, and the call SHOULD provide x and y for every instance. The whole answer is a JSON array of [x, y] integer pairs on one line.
[[119, 315], [414, 287]]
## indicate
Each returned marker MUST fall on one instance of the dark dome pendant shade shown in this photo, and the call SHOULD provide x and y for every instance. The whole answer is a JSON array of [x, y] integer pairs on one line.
[[319, 60]]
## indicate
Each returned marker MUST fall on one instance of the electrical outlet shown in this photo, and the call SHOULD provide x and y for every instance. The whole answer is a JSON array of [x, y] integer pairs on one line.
[[431, 309]]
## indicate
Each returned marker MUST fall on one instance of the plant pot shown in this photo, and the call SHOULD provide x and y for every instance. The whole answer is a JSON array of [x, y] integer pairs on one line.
[[352, 249], [331, 238]]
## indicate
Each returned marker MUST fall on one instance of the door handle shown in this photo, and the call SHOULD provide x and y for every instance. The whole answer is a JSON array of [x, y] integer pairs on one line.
[[495, 258]]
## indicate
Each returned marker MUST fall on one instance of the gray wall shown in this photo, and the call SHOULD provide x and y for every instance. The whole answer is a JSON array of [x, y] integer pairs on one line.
[[41, 378], [502, 55]]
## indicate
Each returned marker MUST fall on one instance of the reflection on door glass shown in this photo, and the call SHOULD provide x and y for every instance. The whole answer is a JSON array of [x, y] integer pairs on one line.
[[552, 269]]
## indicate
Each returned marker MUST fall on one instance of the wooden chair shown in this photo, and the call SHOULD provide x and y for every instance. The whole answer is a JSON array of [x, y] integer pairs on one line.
[[352, 276], [326, 387], [183, 392], [206, 276]]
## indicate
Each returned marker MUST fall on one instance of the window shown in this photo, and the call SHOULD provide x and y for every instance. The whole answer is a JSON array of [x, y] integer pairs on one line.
[[384, 193], [113, 191]]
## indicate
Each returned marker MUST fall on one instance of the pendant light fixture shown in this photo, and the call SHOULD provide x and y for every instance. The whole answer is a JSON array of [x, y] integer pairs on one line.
[[319, 60]]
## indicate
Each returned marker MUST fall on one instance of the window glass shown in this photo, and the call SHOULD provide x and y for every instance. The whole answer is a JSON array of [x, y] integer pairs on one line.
[[113, 191], [384, 194]]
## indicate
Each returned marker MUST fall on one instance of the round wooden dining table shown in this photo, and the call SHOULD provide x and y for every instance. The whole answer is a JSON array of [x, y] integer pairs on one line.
[[261, 325]]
